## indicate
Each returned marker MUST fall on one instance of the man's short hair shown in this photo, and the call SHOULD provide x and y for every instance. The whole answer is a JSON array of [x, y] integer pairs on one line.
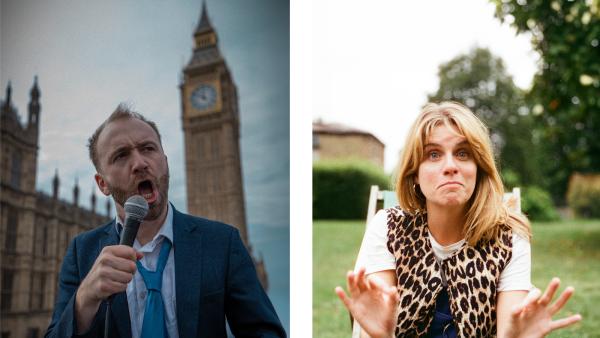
[[122, 112]]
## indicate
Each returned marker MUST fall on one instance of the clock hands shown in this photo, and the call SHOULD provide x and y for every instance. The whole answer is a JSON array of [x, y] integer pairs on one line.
[[203, 97]]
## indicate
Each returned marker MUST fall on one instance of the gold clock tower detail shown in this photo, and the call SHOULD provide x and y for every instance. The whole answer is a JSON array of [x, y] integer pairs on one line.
[[211, 124]]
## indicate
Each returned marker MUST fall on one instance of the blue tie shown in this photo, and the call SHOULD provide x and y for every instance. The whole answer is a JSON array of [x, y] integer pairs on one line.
[[154, 325]]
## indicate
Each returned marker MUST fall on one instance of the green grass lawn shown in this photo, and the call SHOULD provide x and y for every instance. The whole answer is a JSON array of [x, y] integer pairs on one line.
[[567, 249]]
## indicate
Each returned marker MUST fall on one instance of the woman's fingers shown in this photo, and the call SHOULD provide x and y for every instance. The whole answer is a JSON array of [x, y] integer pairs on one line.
[[343, 297], [394, 295], [376, 283], [361, 280], [550, 291], [530, 299], [517, 309], [535, 305], [562, 299], [559, 324], [392, 291], [357, 282], [351, 280]]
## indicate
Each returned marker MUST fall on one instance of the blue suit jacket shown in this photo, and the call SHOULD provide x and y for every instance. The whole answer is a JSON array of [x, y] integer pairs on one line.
[[214, 275]]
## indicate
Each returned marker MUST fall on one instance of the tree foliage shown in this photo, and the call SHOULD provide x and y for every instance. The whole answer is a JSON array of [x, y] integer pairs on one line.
[[479, 80], [565, 90]]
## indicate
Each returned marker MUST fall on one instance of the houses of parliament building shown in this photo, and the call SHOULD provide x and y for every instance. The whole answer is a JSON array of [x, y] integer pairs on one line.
[[36, 228]]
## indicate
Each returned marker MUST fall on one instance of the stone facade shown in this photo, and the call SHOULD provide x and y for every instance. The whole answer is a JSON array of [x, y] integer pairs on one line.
[[35, 228], [211, 127], [336, 141]]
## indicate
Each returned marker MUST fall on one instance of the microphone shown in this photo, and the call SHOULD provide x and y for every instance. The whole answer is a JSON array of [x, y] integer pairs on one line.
[[136, 209]]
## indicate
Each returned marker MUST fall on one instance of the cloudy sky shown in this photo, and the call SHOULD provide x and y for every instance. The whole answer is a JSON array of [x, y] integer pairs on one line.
[[91, 55], [375, 62]]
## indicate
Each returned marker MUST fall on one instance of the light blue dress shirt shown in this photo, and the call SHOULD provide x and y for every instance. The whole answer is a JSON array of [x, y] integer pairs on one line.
[[136, 289]]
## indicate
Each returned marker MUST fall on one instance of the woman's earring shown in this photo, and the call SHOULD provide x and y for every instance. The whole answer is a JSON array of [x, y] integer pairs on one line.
[[417, 189]]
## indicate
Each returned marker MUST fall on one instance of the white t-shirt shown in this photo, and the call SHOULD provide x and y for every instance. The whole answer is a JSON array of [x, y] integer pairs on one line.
[[375, 256]]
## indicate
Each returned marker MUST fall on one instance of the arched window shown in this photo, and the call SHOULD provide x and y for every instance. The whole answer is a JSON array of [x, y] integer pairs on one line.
[[15, 170], [38, 286], [12, 222], [7, 284]]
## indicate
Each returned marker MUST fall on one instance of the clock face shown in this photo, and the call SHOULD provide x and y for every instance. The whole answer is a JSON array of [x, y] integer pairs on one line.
[[204, 96]]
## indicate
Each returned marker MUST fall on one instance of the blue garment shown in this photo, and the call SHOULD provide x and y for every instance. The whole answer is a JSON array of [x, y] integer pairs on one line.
[[442, 325], [214, 277], [154, 325], [136, 289]]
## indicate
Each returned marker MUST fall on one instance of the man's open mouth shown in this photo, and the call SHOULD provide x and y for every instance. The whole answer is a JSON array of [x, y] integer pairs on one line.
[[147, 190]]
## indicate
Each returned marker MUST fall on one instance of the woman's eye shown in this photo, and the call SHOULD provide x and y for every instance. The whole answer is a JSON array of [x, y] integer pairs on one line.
[[434, 155], [463, 154]]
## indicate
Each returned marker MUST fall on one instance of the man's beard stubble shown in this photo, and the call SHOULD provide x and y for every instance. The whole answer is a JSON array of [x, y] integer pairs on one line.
[[155, 209]]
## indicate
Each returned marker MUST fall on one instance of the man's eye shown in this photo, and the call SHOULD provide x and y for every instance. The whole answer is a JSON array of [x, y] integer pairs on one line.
[[148, 148], [119, 156]]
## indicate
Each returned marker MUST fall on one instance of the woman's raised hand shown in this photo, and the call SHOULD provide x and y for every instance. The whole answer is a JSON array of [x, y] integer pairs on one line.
[[371, 302], [533, 317]]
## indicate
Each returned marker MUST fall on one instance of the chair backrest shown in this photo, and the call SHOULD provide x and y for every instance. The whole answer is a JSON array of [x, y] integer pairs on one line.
[[380, 199]]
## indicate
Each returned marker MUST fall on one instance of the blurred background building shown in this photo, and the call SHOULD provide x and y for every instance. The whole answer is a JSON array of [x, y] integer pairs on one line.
[[335, 141], [35, 228]]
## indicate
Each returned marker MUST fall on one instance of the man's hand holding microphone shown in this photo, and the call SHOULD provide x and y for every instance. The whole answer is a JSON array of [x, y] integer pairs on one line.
[[113, 269]]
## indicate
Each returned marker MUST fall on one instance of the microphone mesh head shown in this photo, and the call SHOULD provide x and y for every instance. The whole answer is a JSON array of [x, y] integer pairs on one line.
[[136, 207]]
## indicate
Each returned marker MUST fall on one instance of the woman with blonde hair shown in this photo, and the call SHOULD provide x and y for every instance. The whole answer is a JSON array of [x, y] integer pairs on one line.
[[451, 260]]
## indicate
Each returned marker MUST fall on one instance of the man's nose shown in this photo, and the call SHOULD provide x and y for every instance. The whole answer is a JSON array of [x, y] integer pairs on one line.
[[139, 163], [450, 167]]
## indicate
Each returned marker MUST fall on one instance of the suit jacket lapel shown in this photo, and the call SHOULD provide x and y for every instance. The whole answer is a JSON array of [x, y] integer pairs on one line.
[[119, 306], [188, 273]]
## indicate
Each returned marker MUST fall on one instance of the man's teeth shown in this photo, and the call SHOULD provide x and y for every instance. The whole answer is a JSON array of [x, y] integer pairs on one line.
[[149, 195]]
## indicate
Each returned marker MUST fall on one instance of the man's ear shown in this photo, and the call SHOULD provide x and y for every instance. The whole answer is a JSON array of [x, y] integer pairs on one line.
[[102, 184]]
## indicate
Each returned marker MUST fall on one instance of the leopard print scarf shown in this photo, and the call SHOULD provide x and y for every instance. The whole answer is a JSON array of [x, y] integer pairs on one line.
[[472, 274]]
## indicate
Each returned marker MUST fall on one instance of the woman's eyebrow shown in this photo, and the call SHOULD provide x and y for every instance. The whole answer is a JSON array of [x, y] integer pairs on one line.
[[437, 145]]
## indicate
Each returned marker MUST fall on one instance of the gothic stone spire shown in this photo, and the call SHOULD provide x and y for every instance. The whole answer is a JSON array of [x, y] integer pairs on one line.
[[204, 24]]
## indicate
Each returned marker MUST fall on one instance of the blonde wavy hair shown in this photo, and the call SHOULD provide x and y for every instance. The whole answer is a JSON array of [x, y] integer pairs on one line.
[[486, 212]]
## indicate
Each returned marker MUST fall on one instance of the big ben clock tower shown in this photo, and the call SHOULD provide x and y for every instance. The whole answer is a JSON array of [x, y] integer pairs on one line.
[[211, 124]]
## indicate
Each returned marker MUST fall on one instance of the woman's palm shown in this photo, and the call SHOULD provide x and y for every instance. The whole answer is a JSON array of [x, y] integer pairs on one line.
[[372, 303]]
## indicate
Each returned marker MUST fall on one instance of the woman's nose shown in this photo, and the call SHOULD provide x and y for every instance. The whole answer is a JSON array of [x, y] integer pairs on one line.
[[450, 166]]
